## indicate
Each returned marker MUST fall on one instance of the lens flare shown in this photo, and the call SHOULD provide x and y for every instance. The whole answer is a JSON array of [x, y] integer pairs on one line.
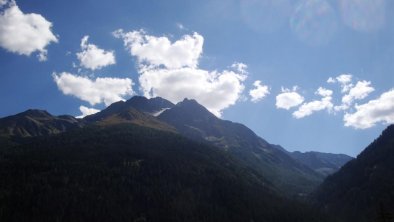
[[363, 15], [314, 22], [265, 15]]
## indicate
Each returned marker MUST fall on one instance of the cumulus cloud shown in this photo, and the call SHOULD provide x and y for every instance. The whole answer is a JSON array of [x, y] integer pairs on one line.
[[361, 90], [24, 33], [170, 70], [380, 110], [99, 90], [365, 116], [309, 108], [259, 92], [87, 111], [92, 57], [214, 90], [160, 51], [288, 99], [351, 92], [323, 92]]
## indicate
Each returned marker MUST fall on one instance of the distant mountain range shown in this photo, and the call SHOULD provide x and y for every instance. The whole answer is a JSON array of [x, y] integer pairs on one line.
[[323, 163], [290, 172], [155, 131], [36, 123]]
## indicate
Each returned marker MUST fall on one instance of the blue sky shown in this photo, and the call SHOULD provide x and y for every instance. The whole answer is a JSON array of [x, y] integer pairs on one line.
[[325, 66]]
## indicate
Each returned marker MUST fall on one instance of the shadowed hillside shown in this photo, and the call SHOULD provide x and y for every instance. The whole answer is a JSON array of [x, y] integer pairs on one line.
[[131, 173], [363, 190]]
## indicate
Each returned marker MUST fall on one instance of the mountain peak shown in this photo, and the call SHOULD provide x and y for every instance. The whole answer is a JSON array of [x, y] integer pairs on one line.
[[35, 113], [151, 105], [35, 122], [190, 102], [187, 100], [137, 99], [193, 108]]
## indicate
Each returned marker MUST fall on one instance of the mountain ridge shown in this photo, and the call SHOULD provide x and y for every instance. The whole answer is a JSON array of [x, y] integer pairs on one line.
[[323, 163], [35, 122], [126, 172], [362, 190], [194, 121]]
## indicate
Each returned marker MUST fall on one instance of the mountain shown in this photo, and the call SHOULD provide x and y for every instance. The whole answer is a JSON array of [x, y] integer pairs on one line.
[[363, 189], [125, 172], [151, 107], [194, 121], [138, 110], [323, 163], [189, 119], [35, 122]]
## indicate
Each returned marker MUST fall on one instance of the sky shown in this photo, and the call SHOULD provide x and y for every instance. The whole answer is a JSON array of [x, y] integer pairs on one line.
[[305, 74]]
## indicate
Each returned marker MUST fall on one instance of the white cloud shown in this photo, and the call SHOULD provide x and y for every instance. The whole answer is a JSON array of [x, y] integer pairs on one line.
[[93, 57], [375, 111], [87, 111], [351, 92], [100, 90], [309, 108], [159, 51], [240, 67], [288, 99], [259, 92], [361, 90], [214, 90], [324, 92], [331, 80], [170, 70], [345, 80], [24, 33]]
